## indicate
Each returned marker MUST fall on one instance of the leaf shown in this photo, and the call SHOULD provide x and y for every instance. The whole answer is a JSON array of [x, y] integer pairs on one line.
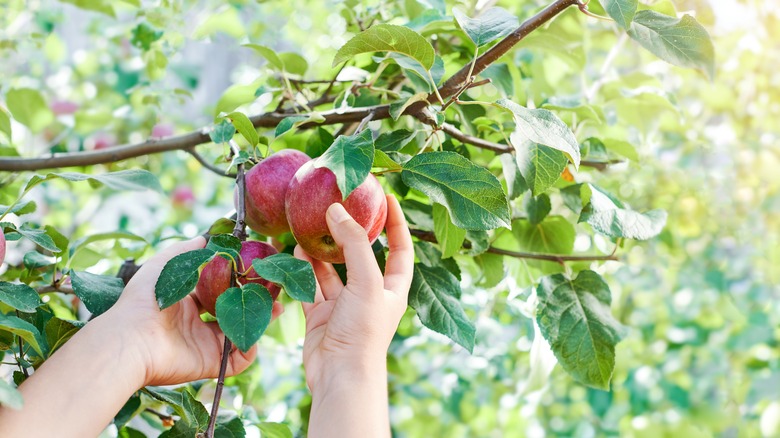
[[575, 318], [515, 182], [349, 158], [180, 275], [294, 63], [472, 195], [35, 260], [116, 235], [5, 123], [225, 243], [184, 404], [554, 235], [274, 430], [611, 219], [222, 132], [622, 148], [501, 78], [398, 107], [543, 127], [222, 226], [434, 295], [449, 236], [244, 314], [420, 75], [102, 6], [131, 179], [10, 396], [679, 41], [395, 140], [381, 159], [430, 256], [29, 108], [235, 96], [58, 331], [388, 38], [98, 292], [537, 208], [19, 209], [490, 25], [230, 429], [540, 166], [288, 123], [622, 11], [267, 53], [19, 296], [245, 127], [294, 275], [25, 330], [39, 237], [144, 35]]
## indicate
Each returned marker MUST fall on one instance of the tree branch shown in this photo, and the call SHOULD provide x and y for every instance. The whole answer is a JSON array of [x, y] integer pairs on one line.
[[428, 236], [209, 166]]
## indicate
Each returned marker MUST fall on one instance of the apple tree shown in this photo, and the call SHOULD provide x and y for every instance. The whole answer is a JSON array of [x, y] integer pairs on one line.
[[495, 126]]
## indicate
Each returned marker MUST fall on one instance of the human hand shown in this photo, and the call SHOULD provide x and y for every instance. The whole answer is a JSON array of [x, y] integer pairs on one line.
[[174, 344], [349, 327]]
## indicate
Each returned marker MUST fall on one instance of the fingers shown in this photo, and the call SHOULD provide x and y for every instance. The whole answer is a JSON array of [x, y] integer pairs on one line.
[[353, 241], [400, 260]]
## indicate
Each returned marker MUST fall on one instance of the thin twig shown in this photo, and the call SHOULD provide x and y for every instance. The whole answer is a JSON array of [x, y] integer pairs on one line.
[[21, 353], [209, 166], [166, 419]]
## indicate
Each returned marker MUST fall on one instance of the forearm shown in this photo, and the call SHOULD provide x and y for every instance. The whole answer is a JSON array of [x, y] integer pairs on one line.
[[77, 391], [352, 403]]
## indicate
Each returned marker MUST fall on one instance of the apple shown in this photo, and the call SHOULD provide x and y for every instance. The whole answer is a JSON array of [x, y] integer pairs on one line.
[[182, 197], [311, 191], [215, 277], [2, 246], [63, 107], [161, 130], [266, 187], [103, 141]]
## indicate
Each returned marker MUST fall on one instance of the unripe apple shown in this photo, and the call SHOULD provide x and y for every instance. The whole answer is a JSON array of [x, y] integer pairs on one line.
[[215, 277], [311, 191], [266, 186]]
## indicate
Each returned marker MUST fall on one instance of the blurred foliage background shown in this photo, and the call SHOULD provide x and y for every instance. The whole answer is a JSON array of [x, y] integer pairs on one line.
[[701, 302]]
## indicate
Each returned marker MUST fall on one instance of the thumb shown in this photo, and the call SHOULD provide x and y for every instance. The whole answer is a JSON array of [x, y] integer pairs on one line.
[[351, 237]]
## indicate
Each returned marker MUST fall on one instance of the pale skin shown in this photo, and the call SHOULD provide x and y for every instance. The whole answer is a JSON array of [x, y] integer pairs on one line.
[[78, 391]]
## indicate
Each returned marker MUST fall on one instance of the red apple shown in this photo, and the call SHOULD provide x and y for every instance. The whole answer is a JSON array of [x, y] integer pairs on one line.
[[312, 190], [63, 107], [161, 130], [182, 197], [215, 277], [103, 140], [266, 187], [2, 246]]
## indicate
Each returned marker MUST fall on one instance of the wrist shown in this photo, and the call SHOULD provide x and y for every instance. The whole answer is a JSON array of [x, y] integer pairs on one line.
[[337, 375], [117, 339]]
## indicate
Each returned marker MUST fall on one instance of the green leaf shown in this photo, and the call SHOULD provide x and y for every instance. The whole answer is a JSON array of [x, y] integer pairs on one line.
[[294, 63], [226, 243], [144, 35], [575, 318], [222, 132], [29, 108], [622, 11], [180, 275], [543, 127], [540, 166], [129, 432], [11, 397], [115, 235], [294, 275], [98, 292], [39, 237], [388, 38], [131, 179], [58, 331], [490, 25], [492, 269], [235, 96], [611, 219], [102, 6], [419, 75], [501, 78], [19, 296], [554, 235], [230, 429], [184, 404], [274, 430], [25, 330], [430, 256], [537, 208], [435, 295], [472, 195], [381, 159], [222, 226], [398, 107], [245, 127], [35, 260], [244, 314], [349, 158], [5, 123], [679, 41], [450, 237], [515, 182], [622, 148], [267, 53], [395, 140], [288, 123], [180, 429], [20, 208]]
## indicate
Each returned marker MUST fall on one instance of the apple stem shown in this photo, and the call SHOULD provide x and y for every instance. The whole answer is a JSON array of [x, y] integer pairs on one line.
[[239, 231]]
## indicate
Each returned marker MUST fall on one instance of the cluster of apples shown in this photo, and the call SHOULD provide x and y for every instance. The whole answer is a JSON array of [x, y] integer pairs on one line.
[[288, 191]]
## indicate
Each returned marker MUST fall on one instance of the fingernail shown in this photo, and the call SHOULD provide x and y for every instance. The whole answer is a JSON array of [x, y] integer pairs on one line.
[[337, 213]]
